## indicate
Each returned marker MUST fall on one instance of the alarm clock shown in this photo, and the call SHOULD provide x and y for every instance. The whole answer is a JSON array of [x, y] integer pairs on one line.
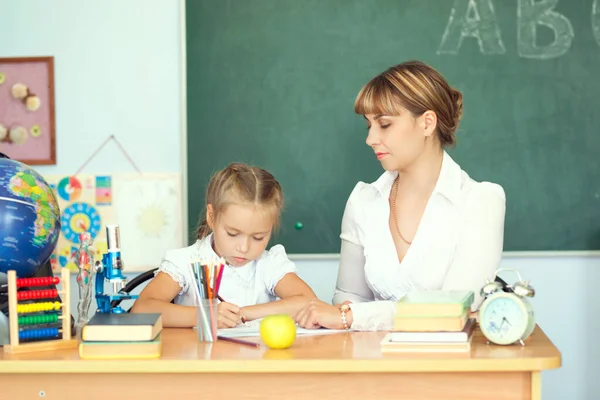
[[506, 315]]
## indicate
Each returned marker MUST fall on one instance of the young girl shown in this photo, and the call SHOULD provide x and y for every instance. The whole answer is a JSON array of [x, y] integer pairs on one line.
[[243, 205]]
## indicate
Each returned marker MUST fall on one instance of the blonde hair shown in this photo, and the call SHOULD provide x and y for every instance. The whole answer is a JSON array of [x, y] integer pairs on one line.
[[241, 183], [418, 88]]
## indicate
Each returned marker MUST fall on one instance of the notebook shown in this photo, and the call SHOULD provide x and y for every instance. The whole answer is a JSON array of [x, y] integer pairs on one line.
[[425, 347], [435, 337], [108, 327], [252, 329], [434, 303], [123, 350]]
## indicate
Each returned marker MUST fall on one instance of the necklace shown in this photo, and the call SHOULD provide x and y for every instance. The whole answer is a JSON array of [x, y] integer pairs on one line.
[[394, 215]]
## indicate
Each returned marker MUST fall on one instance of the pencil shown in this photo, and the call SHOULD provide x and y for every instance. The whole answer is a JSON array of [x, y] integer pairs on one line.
[[223, 300], [238, 341]]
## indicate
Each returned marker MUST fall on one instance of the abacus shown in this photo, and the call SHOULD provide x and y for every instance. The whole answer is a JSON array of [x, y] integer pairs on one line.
[[39, 339]]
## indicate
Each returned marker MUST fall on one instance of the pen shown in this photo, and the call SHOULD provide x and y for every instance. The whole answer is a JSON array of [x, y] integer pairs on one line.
[[239, 341], [223, 300]]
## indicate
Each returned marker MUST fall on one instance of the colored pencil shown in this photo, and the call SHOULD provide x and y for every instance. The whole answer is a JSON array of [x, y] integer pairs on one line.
[[239, 341]]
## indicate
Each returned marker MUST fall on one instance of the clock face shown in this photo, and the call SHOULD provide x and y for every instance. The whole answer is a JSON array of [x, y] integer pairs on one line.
[[504, 319]]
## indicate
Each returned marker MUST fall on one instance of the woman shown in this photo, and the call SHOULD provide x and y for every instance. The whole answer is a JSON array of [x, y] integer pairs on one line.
[[424, 224]]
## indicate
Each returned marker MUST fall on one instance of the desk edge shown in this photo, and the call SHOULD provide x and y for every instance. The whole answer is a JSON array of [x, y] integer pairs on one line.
[[277, 366]]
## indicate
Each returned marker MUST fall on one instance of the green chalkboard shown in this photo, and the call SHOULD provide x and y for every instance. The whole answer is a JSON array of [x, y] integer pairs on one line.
[[272, 82]]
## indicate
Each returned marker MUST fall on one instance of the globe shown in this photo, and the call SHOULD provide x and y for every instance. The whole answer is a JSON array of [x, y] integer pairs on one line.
[[29, 219]]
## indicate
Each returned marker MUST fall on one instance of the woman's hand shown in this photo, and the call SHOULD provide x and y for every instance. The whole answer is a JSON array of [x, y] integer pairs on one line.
[[339, 305], [317, 314], [229, 315]]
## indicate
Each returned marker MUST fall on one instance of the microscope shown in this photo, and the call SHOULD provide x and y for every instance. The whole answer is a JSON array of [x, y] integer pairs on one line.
[[111, 269]]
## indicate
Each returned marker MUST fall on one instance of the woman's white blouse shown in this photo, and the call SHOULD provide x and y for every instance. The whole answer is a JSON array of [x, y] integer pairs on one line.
[[458, 245], [251, 284]]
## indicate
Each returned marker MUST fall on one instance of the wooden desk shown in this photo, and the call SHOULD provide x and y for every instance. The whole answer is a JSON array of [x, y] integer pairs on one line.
[[336, 366]]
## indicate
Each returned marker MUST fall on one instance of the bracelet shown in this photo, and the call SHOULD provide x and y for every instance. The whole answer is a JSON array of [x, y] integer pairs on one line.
[[343, 310]]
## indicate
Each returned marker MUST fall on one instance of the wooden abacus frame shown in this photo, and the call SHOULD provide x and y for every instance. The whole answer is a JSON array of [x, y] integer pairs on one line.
[[44, 345]]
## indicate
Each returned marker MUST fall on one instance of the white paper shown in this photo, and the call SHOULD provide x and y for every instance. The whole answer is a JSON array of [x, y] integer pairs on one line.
[[148, 211], [252, 329]]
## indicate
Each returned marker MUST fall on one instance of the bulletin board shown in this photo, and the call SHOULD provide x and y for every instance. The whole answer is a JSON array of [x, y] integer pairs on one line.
[[27, 111]]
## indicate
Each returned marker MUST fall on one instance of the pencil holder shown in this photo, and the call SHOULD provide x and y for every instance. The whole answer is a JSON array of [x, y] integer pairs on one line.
[[207, 320]]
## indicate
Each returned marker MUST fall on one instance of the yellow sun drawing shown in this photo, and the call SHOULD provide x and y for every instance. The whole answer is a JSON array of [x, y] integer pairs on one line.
[[152, 220]]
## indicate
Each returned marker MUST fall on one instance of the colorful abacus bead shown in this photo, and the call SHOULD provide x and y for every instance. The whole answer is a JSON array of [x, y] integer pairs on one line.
[[38, 319], [43, 281], [41, 333], [37, 307], [37, 294]]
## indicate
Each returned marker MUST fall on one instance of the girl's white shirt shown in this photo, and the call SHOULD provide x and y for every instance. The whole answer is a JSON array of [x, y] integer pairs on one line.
[[250, 284], [458, 245]]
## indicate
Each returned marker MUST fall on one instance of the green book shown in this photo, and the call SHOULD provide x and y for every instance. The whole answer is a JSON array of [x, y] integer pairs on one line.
[[434, 304]]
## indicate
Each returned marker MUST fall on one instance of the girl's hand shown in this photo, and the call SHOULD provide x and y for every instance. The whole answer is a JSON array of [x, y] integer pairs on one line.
[[317, 314], [229, 315]]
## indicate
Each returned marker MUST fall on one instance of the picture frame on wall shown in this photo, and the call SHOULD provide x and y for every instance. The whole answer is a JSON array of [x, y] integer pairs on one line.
[[27, 110]]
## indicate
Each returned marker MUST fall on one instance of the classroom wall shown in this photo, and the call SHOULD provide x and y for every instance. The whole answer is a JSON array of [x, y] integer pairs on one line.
[[117, 66], [116, 73]]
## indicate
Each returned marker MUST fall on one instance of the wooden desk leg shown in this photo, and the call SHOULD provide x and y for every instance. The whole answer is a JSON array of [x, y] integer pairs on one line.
[[536, 385]]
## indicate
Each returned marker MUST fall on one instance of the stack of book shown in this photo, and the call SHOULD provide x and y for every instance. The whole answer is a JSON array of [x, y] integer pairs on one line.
[[108, 336], [432, 321]]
